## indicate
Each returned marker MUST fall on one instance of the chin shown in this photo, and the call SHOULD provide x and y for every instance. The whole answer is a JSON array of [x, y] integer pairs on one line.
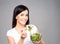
[[23, 23]]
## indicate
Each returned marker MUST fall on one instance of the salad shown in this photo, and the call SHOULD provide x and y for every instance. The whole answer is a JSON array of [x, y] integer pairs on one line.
[[35, 36]]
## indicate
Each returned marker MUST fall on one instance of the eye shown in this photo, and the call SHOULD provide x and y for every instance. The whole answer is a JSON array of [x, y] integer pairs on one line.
[[22, 14], [26, 14]]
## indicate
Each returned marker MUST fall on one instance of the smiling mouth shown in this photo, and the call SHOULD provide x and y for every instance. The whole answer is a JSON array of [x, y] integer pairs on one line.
[[24, 21]]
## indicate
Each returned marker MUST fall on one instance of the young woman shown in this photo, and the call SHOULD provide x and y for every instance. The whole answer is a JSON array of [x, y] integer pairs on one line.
[[19, 34]]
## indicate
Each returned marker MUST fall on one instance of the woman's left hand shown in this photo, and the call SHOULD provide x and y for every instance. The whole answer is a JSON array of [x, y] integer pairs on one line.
[[39, 42], [36, 42]]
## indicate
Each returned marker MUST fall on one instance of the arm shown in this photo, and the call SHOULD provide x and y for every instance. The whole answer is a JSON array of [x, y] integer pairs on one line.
[[10, 40], [21, 41]]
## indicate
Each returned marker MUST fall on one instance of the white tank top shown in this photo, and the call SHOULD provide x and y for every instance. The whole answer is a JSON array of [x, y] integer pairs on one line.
[[16, 36]]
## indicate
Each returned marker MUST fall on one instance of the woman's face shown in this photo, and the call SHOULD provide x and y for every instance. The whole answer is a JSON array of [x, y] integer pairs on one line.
[[22, 17]]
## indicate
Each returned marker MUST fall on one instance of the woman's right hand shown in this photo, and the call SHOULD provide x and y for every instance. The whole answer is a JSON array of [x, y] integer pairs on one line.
[[23, 34]]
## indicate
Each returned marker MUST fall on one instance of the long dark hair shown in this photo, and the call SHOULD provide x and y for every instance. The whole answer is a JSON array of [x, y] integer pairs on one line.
[[18, 9]]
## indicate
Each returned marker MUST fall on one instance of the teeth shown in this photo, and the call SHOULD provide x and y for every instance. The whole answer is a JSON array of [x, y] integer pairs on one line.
[[24, 21]]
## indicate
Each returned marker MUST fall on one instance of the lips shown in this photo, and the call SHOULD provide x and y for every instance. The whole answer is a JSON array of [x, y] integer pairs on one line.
[[24, 21]]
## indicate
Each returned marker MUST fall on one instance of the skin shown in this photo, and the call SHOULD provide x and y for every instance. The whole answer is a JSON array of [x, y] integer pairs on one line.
[[20, 28]]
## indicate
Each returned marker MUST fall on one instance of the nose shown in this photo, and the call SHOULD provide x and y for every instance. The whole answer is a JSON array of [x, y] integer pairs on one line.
[[25, 17]]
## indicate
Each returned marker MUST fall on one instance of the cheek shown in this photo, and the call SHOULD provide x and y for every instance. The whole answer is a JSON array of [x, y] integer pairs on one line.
[[27, 18], [18, 17]]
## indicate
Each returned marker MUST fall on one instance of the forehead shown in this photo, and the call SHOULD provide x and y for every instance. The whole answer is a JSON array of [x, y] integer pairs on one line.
[[24, 12]]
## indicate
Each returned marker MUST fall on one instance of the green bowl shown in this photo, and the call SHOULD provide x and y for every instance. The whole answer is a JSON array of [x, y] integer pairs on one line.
[[36, 37]]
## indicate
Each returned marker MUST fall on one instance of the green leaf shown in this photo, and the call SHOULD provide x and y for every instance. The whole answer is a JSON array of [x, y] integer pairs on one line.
[[29, 28]]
